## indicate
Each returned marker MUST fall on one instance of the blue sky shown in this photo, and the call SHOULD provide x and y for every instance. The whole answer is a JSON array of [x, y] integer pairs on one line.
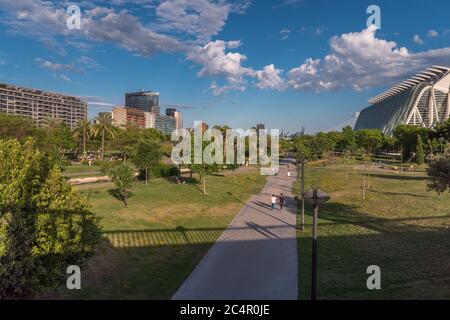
[[288, 64]]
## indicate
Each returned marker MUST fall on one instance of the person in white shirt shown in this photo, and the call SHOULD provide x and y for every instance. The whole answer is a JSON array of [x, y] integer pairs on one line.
[[274, 201]]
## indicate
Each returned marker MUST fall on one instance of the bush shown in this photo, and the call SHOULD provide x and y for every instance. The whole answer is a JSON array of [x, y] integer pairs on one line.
[[45, 226], [439, 173], [162, 171]]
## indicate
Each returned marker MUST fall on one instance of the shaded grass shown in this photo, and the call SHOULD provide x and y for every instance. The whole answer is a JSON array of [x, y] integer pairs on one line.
[[400, 227], [151, 247]]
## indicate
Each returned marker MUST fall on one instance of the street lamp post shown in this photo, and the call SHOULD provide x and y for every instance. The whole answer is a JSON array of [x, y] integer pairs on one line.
[[315, 197]]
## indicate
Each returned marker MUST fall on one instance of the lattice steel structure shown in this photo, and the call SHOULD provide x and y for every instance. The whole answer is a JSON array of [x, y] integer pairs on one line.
[[422, 100], [40, 105]]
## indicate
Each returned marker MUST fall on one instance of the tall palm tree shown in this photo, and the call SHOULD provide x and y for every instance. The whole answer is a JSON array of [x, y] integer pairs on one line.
[[103, 126], [81, 131], [51, 124]]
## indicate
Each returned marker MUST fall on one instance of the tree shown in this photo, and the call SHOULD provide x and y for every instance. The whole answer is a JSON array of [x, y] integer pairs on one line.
[[103, 126], [348, 140], [420, 153], [348, 158], [17, 127], [406, 136], [45, 225], [302, 151], [442, 130], [146, 153], [82, 132], [203, 170], [123, 177], [51, 124], [439, 173], [369, 139]]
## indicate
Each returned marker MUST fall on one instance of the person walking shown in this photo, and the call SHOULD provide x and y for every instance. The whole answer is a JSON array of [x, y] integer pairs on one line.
[[282, 200], [289, 174], [273, 201]]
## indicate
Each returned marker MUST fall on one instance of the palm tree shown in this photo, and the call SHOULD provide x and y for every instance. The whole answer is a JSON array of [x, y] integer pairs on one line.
[[82, 132], [103, 126], [51, 124]]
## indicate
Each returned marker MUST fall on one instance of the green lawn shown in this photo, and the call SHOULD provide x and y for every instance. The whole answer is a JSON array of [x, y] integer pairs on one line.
[[401, 227], [150, 248], [81, 171]]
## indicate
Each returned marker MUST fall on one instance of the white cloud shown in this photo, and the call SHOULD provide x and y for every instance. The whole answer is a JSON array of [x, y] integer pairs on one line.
[[269, 78], [432, 34], [54, 66], [65, 78], [200, 18], [215, 61], [418, 40], [361, 61]]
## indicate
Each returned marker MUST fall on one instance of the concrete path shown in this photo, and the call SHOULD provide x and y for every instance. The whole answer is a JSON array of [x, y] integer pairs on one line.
[[256, 256]]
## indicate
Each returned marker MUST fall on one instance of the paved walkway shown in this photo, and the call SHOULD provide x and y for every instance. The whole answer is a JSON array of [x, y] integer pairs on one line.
[[256, 257]]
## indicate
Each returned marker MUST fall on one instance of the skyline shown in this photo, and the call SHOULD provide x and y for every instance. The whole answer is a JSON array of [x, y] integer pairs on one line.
[[307, 59]]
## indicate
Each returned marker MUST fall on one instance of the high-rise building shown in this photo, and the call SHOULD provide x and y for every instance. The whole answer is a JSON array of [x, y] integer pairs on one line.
[[40, 105], [171, 112], [122, 116], [146, 101], [165, 124], [150, 120]]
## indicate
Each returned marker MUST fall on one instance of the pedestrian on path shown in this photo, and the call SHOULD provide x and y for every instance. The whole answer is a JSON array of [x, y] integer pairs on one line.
[[289, 174], [274, 201], [282, 200]]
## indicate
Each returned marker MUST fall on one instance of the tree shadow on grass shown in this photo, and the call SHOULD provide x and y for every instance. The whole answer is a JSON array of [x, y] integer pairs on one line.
[[400, 177], [414, 259]]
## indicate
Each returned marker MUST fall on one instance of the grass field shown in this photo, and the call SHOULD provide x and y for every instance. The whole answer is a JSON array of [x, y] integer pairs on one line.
[[81, 171], [150, 248], [401, 227]]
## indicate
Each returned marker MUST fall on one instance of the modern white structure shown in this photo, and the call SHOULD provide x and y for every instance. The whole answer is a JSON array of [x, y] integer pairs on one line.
[[422, 100]]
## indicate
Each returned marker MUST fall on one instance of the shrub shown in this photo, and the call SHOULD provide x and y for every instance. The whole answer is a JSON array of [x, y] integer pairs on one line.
[[439, 173], [163, 171], [45, 226]]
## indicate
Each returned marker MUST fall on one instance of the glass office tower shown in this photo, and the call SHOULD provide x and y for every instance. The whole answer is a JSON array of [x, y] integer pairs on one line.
[[146, 101]]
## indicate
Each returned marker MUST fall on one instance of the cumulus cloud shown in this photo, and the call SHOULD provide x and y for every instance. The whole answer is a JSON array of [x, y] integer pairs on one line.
[[215, 61], [269, 78], [361, 61]]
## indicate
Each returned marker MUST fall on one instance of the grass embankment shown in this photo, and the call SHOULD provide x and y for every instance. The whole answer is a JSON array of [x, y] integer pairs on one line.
[[152, 247], [401, 227]]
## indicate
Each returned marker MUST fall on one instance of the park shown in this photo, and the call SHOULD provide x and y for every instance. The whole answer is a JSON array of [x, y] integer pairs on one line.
[[152, 230]]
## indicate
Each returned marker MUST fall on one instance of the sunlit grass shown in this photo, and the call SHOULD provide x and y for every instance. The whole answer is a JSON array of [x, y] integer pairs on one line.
[[151, 247], [400, 227]]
